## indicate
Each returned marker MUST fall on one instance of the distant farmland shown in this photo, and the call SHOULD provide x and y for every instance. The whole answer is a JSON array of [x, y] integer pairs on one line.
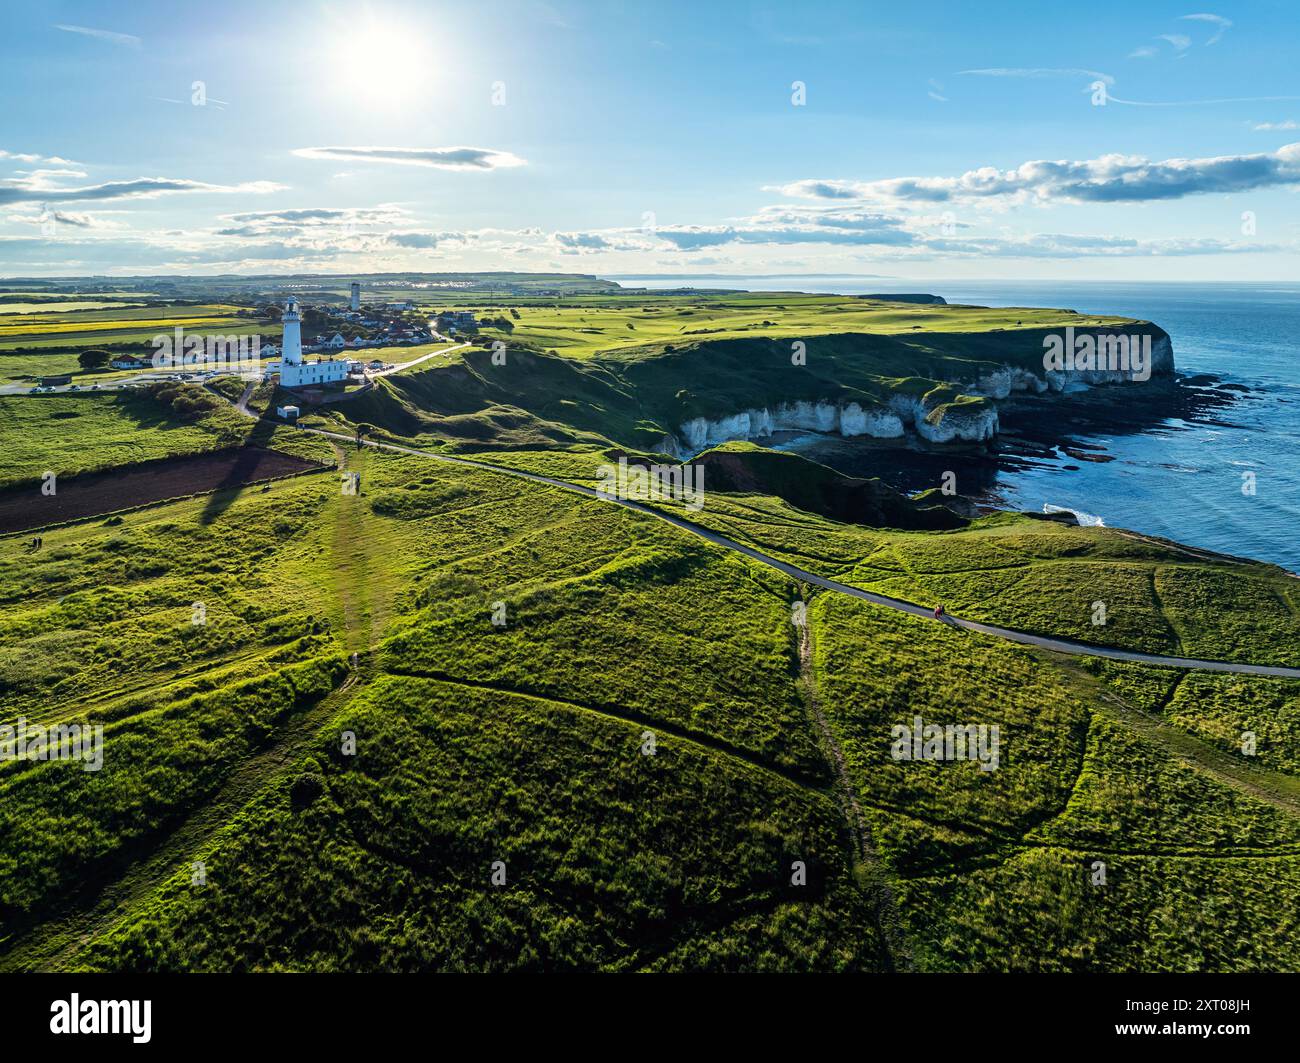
[[35, 344]]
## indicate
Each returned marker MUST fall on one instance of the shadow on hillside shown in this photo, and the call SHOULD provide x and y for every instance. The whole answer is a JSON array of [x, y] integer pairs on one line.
[[234, 482]]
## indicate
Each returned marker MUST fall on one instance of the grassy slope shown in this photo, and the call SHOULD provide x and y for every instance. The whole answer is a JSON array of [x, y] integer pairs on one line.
[[474, 747], [436, 547], [994, 870], [523, 743], [1041, 576]]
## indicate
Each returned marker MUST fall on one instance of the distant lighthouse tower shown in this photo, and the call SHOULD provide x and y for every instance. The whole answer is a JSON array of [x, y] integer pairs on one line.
[[356, 295], [291, 344]]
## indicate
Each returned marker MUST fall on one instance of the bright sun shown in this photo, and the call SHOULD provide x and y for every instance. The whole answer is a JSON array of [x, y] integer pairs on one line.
[[378, 62]]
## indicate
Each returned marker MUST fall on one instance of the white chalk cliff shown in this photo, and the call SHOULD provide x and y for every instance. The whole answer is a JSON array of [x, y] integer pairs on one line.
[[940, 422]]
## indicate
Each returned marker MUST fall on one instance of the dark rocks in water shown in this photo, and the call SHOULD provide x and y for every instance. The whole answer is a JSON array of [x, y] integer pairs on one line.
[[1081, 455], [1236, 387], [1054, 420], [1065, 517], [1200, 380]]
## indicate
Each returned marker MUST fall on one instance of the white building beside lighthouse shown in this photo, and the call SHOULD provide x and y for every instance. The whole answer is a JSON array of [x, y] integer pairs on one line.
[[294, 372]]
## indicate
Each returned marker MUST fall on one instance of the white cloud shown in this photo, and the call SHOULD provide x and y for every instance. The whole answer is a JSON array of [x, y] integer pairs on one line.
[[1222, 24], [1108, 179], [456, 158], [37, 188]]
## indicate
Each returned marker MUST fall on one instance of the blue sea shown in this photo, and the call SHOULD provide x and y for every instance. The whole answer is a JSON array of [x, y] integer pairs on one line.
[[1178, 479]]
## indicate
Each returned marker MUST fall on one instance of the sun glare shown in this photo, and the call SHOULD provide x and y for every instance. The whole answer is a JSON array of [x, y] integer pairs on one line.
[[379, 62]]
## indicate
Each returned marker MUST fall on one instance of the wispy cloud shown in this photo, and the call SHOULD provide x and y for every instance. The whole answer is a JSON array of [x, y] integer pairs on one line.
[[1202, 103], [36, 189], [1221, 24], [209, 101], [320, 215], [1180, 41], [1268, 127], [32, 216], [126, 39], [53, 160], [458, 158], [1039, 72], [304, 219]]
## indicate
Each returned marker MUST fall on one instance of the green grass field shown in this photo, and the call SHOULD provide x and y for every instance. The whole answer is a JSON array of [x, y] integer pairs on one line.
[[623, 326], [458, 721]]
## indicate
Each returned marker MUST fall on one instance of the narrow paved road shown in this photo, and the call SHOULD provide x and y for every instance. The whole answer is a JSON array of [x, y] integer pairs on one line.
[[1010, 634], [423, 358]]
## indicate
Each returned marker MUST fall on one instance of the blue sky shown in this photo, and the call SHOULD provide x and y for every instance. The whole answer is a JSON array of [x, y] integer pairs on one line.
[[936, 140]]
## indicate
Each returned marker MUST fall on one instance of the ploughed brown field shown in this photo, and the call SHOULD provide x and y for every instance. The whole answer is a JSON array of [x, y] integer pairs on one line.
[[24, 507]]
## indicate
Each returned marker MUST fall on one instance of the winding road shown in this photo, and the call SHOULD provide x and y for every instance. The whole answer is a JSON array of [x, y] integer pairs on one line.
[[1010, 634]]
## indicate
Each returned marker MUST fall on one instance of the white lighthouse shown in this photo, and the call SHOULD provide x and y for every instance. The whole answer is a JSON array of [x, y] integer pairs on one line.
[[291, 344], [294, 372], [356, 296]]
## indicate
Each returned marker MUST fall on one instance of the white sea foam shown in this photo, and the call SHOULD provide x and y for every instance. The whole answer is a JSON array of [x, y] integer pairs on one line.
[[1087, 520]]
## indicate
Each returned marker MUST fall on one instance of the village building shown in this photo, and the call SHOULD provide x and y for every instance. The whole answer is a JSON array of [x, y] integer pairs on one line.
[[456, 321]]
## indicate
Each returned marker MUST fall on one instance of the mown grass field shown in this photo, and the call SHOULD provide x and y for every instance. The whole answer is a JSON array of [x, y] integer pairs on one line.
[[582, 327]]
